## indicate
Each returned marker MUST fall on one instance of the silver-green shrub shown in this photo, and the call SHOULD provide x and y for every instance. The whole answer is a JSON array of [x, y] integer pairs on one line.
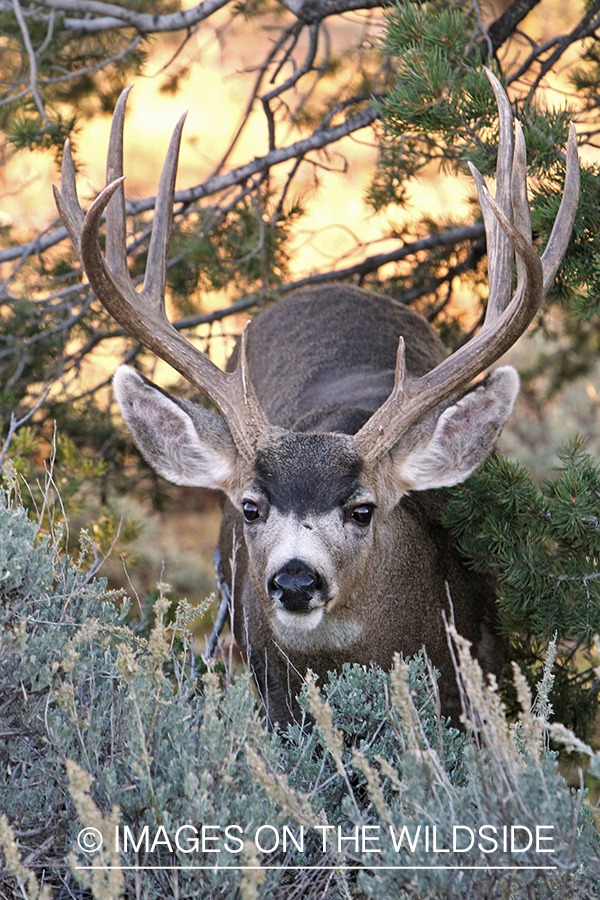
[[103, 729]]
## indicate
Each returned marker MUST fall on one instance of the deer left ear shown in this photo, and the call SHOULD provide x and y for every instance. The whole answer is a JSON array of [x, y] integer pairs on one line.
[[184, 443], [464, 435]]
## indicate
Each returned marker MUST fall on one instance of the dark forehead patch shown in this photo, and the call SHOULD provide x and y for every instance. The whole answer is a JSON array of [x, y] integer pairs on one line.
[[308, 472]]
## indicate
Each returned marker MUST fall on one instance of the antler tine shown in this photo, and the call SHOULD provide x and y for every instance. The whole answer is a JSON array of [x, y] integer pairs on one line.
[[156, 269], [521, 214], [499, 249], [565, 219], [142, 313], [116, 228], [505, 321], [68, 202]]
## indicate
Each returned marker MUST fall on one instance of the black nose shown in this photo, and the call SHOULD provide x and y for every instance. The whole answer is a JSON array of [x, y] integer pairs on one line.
[[294, 586]]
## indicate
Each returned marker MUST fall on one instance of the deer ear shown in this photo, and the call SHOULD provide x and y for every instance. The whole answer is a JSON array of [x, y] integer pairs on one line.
[[184, 443], [464, 435]]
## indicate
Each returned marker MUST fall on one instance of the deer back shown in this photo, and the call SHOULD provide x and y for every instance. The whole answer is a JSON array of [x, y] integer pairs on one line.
[[320, 349]]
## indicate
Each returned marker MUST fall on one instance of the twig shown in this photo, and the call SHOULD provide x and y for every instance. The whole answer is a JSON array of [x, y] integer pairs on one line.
[[110, 16], [15, 424], [217, 183], [32, 60], [500, 30], [88, 70], [587, 26]]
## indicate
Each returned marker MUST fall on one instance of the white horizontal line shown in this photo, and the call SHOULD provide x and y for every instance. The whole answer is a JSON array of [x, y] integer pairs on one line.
[[314, 868]]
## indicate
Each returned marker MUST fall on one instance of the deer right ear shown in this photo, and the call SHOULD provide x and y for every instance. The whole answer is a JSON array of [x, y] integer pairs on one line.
[[183, 442], [464, 435]]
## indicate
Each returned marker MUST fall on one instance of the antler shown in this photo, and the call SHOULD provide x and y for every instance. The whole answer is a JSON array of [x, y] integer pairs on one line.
[[507, 223], [142, 313]]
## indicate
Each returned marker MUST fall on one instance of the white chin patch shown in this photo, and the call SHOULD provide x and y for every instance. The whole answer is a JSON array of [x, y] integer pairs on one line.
[[308, 632], [300, 622]]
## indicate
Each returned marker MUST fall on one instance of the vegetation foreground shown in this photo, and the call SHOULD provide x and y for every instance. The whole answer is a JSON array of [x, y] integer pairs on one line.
[[125, 773]]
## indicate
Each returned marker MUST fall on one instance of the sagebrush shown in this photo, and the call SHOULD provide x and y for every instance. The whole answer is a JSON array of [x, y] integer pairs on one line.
[[105, 729]]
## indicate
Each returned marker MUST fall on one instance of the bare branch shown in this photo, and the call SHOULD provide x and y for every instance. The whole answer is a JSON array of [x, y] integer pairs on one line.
[[372, 263], [15, 424], [108, 16], [310, 11], [32, 60], [300, 71], [112, 16], [586, 27], [88, 70], [319, 139], [500, 30], [294, 31]]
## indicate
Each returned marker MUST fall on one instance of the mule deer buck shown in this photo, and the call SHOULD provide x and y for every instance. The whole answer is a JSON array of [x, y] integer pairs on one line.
[[342, 412]]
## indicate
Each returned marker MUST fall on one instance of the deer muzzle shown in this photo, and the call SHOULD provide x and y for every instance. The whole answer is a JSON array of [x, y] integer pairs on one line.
[[297, 587]]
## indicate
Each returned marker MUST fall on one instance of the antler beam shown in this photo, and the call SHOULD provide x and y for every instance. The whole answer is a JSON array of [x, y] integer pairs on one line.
[[142, 313], [507, 223]]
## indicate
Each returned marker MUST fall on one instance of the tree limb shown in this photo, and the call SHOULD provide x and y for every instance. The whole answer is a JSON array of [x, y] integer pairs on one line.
[[32, 60], [109, 16], [112, 16], [585, 28], [316, 10], [319, 139], [500, 30]]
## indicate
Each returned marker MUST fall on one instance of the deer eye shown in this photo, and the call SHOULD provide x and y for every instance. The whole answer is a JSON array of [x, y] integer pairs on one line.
[[362, 514], [251, 511]]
